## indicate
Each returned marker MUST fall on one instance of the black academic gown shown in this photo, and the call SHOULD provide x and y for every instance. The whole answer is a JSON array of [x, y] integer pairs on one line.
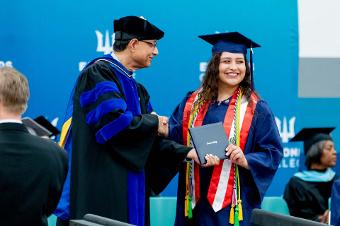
[[100, 170], [306, 199], [32, 174]]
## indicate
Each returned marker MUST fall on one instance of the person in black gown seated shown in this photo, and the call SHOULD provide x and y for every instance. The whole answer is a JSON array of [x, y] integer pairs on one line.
[[307, 192]]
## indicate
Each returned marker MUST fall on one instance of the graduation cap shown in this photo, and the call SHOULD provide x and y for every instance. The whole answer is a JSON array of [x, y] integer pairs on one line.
[[310, 136], [232, 42], [129, 27], [40, 126]]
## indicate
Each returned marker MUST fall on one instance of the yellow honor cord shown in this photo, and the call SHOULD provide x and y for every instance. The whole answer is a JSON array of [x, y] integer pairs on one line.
[[188, 196], [240, 212], [231, 215], [239, 201], [236, 213]]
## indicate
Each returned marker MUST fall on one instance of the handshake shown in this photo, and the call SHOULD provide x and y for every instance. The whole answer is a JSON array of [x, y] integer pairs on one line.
[[163, 129]]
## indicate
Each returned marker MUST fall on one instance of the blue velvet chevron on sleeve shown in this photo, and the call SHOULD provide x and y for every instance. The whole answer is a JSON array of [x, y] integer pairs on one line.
[[91, 96], [106, 110]]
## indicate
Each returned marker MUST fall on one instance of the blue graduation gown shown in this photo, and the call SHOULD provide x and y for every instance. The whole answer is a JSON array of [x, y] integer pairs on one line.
[[263, 152], [335, 204]]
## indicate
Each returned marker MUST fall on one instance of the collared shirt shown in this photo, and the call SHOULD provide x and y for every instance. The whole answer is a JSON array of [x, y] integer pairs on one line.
[[10, 121], [115, 57]]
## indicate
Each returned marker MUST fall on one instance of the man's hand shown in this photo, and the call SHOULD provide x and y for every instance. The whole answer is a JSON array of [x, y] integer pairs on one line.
[[193, 155], [324, 218], [163, 129], [212, 160]]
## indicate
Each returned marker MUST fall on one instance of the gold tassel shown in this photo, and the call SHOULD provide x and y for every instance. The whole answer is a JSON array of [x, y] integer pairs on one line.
[[240, 212], [187, 191], [231, 215], [186, 206]]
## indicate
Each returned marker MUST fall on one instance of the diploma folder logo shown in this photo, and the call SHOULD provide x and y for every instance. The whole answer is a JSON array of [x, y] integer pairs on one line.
[[212, 142], [209, 139]]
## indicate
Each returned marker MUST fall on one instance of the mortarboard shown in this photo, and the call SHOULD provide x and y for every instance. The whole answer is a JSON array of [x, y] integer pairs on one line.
[[130, 27], [310, 136], [232, 42], [40, 126]]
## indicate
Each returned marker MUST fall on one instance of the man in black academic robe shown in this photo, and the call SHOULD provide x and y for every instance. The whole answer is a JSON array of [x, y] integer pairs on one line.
[[118, 157]]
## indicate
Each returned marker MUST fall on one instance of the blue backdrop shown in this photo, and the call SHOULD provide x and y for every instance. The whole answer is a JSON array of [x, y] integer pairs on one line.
[[50, 41]]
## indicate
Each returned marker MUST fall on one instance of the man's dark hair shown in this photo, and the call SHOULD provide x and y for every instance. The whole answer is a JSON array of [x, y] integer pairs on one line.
[[120, 45]]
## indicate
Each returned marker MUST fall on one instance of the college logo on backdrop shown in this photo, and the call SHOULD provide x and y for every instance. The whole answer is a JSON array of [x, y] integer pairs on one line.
[[203, 68], [104, 45], [286, 129], [6, 63], [291, 153]]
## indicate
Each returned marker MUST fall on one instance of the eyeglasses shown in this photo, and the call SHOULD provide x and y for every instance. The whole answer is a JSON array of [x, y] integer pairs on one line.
[[151, 44]]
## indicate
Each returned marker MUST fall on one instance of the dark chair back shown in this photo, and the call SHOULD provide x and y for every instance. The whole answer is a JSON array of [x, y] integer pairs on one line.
[[95, 220], [265, 218]]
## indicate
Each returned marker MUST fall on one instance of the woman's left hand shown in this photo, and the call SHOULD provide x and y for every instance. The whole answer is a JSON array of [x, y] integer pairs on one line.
[[236, 155]]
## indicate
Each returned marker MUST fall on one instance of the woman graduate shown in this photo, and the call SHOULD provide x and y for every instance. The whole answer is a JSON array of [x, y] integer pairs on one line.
[[226, 193], [308, 191]]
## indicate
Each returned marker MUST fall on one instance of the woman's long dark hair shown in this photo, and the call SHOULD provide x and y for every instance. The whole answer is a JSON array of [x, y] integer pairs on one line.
[[211, 79]]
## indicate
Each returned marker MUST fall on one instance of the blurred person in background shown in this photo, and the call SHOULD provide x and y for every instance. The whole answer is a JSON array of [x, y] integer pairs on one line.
[[307, 192], [33, 169]]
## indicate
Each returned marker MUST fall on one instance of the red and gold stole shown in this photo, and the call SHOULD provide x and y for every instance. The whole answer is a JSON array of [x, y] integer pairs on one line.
[[220, 191]]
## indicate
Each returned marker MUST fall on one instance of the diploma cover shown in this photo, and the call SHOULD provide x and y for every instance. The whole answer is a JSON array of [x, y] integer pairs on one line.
[[209, 139]]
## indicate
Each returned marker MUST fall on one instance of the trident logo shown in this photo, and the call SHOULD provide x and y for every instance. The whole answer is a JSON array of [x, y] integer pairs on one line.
[[104, 45], [286, 132], [203, 68]]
